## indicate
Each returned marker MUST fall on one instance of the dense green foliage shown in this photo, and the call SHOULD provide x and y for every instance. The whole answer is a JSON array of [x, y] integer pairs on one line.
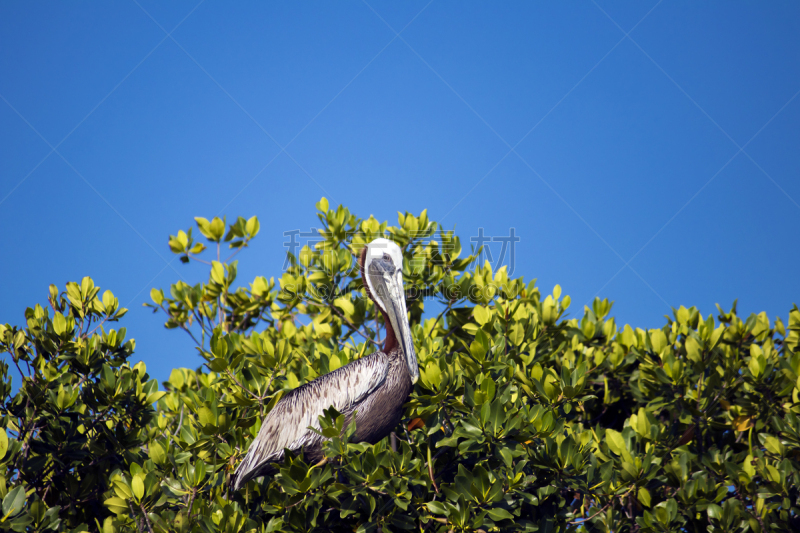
[[524, 419]]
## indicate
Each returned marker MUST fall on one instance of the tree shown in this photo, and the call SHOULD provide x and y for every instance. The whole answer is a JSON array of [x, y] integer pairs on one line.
[[524, 419], [80, 414]]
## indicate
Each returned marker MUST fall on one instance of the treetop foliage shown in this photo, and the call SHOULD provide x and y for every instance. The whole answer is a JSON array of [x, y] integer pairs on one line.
[[525, 418]]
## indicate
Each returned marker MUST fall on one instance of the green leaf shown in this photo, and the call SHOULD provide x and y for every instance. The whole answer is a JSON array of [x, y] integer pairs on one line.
[[252, 226], [714, 511], [157, 296], [109, 302], [59, 324], [774, 445], [644, 496], [346, 305], [157, 453], [516, 333], [3, 443], [153, 397], [206, 417], [176, 378], [177, 243], [117, 506], [217, 273], [482, 314], [642, 426], [436, 508], [137, 484], [658, 339], [21, 522], [616, 442], [716, 336], [14, 501], [693, 349], [122, 489], [213, 230], [499, 513], [432, 375], [217, 229], [199, 472]]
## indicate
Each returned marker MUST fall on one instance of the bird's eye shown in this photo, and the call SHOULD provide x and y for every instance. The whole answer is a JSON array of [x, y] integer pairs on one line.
[[387, 257]]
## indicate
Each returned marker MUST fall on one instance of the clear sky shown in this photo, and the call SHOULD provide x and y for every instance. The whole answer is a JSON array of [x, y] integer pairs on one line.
[[646, 152]]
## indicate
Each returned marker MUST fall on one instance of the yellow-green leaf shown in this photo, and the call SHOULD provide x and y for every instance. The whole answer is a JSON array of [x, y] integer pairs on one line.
[[59, 323], [482, 314], [157, 453], [153, 397], [743, 423], [176, 378], [122, 489], [217, 273], [658, 339], [252, 226], [157, 296], [615, 441], [774, 445], [3, 443], [693, 350], [346, 305], [137, 484], [117, 506], [517, 334], [644, 496], [206, 416]]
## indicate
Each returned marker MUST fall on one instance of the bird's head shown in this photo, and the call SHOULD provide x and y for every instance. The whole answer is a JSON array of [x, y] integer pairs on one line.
[[382, 269]]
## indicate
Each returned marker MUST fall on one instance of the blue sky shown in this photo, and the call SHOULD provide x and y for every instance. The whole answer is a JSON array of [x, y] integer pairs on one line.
[[646, 152]]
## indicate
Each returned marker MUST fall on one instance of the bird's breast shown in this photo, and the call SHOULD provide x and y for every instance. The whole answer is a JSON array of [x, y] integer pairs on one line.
[[383, 409]]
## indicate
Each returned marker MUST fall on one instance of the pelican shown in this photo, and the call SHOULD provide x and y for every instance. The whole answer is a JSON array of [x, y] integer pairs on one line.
[[374, 387]]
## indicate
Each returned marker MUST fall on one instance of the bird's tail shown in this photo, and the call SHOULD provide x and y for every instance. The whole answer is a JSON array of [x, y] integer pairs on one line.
[[243, 474]]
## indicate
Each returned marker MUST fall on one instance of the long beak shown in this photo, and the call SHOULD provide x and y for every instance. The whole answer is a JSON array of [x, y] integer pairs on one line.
[[395, 303]]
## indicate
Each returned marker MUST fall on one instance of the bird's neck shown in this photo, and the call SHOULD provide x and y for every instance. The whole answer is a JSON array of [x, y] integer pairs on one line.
[[390, 342]]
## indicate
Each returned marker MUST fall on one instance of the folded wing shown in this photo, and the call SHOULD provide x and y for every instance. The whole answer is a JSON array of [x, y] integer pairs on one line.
[[286, 425]]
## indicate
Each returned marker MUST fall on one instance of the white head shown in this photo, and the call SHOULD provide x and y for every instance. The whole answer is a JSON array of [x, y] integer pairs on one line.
[[383, 274]]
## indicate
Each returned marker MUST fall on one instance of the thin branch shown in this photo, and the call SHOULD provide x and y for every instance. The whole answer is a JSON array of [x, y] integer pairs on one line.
[[202, 319], [352, 326], [248, 391], [180, 421], [146, 520], [457, 328], [430, 470], [756, 514], [97, 326], [16, 364], [191, 503], [182, 326], [138, 522], [227, 259], [191, 256], [438, 318], [187, 330], [584, 520]]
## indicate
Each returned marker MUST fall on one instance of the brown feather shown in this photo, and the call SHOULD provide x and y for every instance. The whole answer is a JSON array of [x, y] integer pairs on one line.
[[374, 387]]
